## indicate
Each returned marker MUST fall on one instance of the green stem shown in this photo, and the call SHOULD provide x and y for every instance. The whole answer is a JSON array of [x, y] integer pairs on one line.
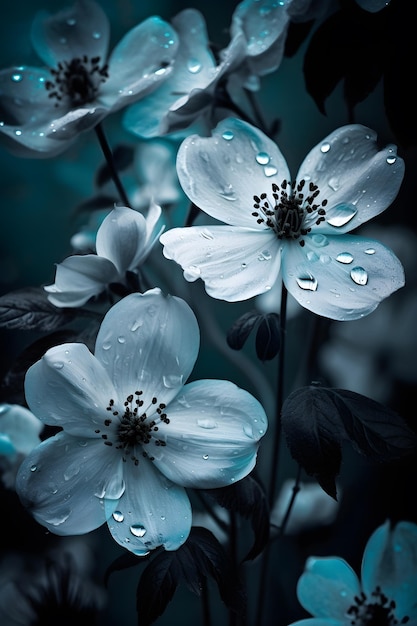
[[108, 155]]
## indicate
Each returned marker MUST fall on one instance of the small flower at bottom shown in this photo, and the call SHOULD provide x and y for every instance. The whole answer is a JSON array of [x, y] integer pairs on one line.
[[386, 596], [297, 229], [134, 436]]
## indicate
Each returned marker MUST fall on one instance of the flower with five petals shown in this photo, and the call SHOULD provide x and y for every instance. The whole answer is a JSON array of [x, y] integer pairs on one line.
[[298, 229], [44, 109], [134, 436]]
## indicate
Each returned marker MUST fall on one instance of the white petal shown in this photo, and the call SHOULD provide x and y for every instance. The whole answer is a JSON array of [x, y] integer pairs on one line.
[[63, 481], [313, 621], [80, 277], [78, 30], [139, 62], [353, 175], [342, 278], [149, 342], [68, 387], [152, 511], [20, 426], [390, 562], [212, 437], [234, 263], [222, 173], [327, 587]]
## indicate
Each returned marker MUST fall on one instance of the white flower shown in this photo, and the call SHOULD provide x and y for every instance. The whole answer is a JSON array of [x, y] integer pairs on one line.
[[330, 590], [44, 109], [134, 436], [273, 225], [124, 240]]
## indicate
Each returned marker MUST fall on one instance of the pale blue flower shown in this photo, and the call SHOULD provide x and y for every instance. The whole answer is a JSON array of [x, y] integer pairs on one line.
[[273, 226], [134, 435], [44, 109], [124, 240], [188, 95], [330, 590]]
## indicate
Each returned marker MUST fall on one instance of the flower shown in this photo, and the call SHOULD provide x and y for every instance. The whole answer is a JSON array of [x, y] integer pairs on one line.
[[330, 590], [19, 434], [134, 435], [188, 94], [46, 108], [124, 240], [273, 225]]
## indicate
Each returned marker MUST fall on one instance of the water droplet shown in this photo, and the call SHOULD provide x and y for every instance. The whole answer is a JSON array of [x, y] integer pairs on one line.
[[265, 255], [243, 266], [172, 381], [262, 158], [138, 530], [193, 66], [359, 275], [205, 457], [325, 147], [71, 21], [161, 71], [391, 159], [4, 408], [18, 133], [121, 339], [106, 346], [334, 183], [96, 35], [341, 215], [207, 423], [312, 256], [309, 283], [57, 521], [192, 272], [270, 170], [325, 259], [370, 251], [118, 516], [71, 471], [228, 135], [228, 193], [319, 240], [344, 257], [58, 365], [16, 78], [33, 468], [248, 430]]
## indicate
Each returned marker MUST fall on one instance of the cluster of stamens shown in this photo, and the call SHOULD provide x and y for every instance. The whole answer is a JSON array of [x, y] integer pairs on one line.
[[286, 214], [134, 427], [77, 80], [378, 610]]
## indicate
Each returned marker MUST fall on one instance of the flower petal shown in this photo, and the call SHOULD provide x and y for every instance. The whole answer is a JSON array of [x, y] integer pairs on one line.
[[318, 622], [152, 511], [148, 342], [78, 30], [68, 387], [222, 173], [212, 436], [327, 587], [390, 562], [194, 68], [342, 278], [139, 62], [234, 263], [80, 277], [20, 427], [63, 481], [358, 180]]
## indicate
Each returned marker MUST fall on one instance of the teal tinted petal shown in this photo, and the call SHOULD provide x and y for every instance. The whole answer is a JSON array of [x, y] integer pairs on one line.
[[342, 278], [68, 387], [19, 427], [234, 263], [62, 483], [353, 175], [152, 511], [120, 236], [78, 30], [222, 173], [148, 342], [390, 562], [319, 621], [327, 587], [212, 436]]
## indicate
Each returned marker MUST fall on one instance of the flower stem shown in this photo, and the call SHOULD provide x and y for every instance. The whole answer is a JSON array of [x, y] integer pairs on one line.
[[295, 490], [108, 155]]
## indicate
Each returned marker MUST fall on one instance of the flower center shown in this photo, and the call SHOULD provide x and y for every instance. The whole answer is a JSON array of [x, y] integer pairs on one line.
[[77, 80], [134, 426], [377, 610], [290, 211]]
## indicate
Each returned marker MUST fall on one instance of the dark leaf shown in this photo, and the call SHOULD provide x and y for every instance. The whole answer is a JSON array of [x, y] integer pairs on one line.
[[123, 157], [248, 499], [29, 309], [12, 386], [241, 329], [124, 561], [268, 337], [200, 557], [97, 203], [373, 429], [312, 427], [296, 35]]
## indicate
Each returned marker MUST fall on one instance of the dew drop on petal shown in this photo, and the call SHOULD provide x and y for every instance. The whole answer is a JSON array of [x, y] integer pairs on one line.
[[121, 339], [265, 255], [96, 35], [138, 530], [193, 66], [341, 215], [118, 516], [334, 183], [33, 468], [319, 240], [344, 257], [359, 275], [205, 457], [262, 158], [106, 346], [228, 135], [207, 423], [172, 381], [58, 365], [309, 283], [16, 78], [325, 147], [248, 430], [370, 251], [391, 159], [270, 170]]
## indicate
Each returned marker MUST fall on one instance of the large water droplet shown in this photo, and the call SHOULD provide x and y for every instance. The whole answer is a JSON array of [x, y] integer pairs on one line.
[[118, 516], [172, 381], [207, 423], [121, 339], [106, 345], [370, 251], [262, 158], [270, 170], [58, 365], [16, 78], [309, 283], [138, 530], [228, 135], [228, 193], [359, 275], [325, 147], [344, 257], [193, 66], [334, 183], [341, 215], [391, 159]]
